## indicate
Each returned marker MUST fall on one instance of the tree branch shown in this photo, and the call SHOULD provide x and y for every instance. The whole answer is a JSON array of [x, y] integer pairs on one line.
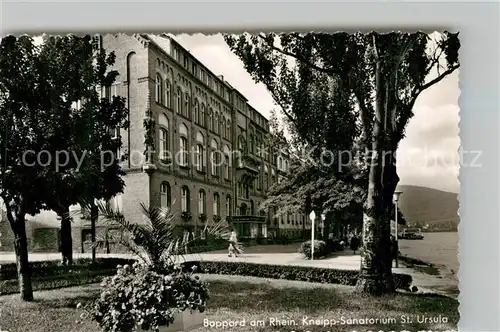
[[298, 57], [438, 79], [407, 112]]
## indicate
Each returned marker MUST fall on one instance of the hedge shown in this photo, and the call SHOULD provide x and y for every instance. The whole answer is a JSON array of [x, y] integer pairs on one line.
[[300, 273], [57, 281], [49, 274], [53, 268]]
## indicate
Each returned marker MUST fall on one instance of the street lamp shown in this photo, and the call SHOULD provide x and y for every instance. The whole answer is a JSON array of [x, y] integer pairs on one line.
[[396, 200], [323, 217], [312, 216]]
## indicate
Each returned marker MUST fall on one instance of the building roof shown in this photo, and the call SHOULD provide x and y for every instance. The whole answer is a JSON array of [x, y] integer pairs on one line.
[[163, 42]]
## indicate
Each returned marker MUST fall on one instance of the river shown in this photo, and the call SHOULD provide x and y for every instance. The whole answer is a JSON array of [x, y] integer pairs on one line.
[[440, 249]]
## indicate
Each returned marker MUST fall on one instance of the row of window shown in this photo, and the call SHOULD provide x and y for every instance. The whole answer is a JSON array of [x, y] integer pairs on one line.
[[201, 74], [292, 219], [199, 157], [214, 121], [166, 200]]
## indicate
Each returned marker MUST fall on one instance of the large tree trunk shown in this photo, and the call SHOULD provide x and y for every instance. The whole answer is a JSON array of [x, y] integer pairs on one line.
[[66, 238], [376, 268], [376, 264], [22, 262], [17, 220], [94, 214]]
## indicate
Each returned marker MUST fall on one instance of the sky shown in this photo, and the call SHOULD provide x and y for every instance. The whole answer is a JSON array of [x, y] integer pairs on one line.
[[427, 157]]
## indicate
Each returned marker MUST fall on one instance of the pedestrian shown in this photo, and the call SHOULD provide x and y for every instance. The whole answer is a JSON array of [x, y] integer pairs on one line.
[[234, 248], [394, 248]]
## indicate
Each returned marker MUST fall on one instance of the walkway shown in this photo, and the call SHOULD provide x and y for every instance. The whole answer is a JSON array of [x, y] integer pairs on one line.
[[424, 282]]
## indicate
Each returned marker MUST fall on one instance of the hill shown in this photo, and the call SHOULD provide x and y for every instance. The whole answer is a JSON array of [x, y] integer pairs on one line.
[[429, 206]]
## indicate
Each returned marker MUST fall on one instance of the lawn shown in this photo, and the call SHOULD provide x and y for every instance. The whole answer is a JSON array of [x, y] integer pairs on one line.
[[238, 298]]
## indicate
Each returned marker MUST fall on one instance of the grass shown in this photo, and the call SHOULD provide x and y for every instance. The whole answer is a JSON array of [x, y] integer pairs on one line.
[[251, 299]]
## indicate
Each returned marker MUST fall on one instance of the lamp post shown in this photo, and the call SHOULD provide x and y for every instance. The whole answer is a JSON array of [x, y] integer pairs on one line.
[[323, 217], [396, 200], [312, 216]]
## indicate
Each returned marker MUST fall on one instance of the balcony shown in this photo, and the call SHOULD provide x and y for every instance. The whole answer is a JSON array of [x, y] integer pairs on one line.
[[248, 163], [248, 219], [250, 228]]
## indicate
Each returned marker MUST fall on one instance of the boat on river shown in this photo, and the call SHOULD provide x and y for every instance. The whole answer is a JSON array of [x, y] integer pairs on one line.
[[411, 234]]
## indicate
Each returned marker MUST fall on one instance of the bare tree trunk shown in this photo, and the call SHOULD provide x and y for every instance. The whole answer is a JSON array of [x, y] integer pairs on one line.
[[66, 238], [22, 262], [376, 268], [94, 214]]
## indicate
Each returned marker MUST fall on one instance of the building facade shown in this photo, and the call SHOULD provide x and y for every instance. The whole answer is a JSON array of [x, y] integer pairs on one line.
[[194, 144], [208, 156]]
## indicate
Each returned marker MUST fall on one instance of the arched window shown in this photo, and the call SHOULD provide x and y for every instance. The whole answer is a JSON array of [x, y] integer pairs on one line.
[[266, 176], [223, 128], [241, 144], [216, 207], [210, 123], [280, 163], [200, 153], [159, 89], [227, 162], [199, 157], [228, 129], [187, 109], [185, 199], [216, 123], [164, 141], [202, 202], [214, 161], [168, 94], [252, 142], [178, 106], [202, 115], [229, 209], [196, 112], [165, 195], [183, 146]]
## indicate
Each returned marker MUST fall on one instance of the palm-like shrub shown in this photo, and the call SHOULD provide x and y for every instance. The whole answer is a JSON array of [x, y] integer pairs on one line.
[[154, 290], [155, 240]]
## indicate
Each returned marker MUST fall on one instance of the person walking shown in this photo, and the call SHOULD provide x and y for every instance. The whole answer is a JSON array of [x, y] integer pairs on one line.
[[233, 245], [394, 249]]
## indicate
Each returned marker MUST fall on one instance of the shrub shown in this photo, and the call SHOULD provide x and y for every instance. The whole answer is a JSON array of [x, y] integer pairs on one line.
[[320, 249], [300, 273], [139, 297], [54, 268], [333, 245]]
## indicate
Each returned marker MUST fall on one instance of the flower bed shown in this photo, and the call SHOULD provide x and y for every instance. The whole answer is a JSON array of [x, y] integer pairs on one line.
[[141, 297], [299, 273]]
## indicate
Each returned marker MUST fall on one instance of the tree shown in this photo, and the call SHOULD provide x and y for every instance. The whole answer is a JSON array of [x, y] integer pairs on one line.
[[381, 76], [83, 126], [22, 103]]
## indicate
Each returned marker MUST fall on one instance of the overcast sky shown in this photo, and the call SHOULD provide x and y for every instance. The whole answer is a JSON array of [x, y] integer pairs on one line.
[[427, 156]]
